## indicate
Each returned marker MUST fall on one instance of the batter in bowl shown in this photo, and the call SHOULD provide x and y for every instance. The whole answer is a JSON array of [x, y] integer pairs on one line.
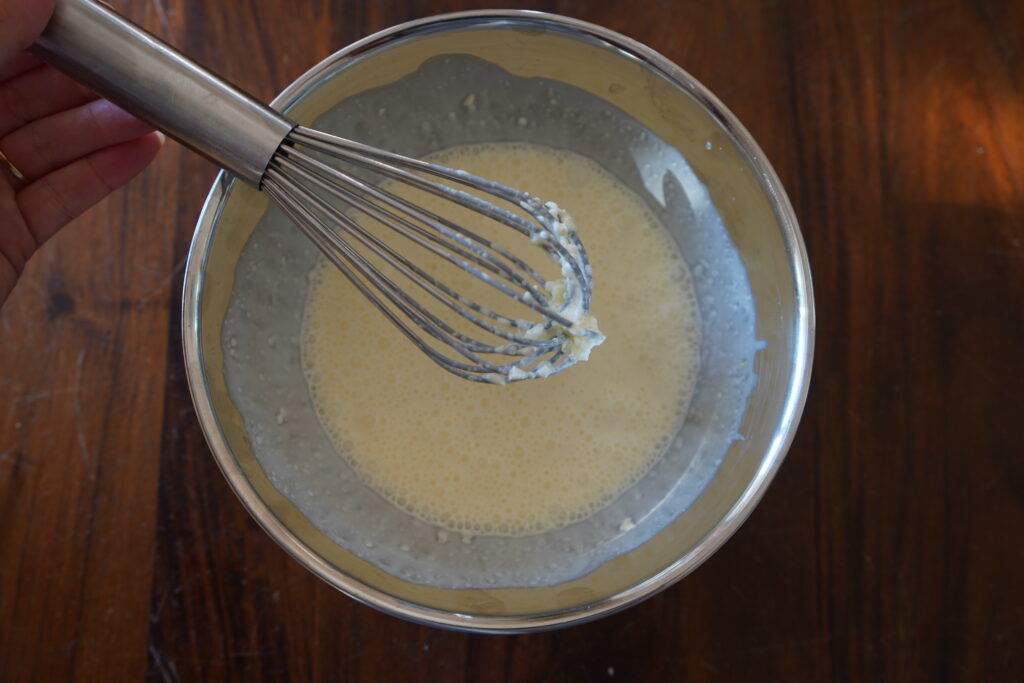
[[535, 455]]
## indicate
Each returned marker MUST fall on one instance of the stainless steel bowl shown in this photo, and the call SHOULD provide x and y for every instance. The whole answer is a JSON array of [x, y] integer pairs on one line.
[[757, 218]]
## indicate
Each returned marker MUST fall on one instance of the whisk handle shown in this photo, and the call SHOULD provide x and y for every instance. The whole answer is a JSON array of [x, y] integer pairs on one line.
[[145, 76]]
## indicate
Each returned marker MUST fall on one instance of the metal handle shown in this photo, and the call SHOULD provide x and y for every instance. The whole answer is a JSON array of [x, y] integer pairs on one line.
[[145, 76]]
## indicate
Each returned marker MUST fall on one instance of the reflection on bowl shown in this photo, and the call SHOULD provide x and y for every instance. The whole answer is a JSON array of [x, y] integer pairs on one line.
[[580, 88]]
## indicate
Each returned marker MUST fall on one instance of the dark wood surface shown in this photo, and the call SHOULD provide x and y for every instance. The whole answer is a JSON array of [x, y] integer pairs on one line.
[[891, 544]]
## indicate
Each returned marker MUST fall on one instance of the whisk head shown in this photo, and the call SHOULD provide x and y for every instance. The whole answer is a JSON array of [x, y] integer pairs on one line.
[[320, 182]]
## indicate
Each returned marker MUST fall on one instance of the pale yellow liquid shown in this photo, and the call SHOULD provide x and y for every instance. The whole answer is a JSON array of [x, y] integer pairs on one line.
[[537, 454]]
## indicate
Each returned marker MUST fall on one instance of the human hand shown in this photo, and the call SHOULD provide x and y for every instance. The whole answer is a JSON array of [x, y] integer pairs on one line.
[[65, 148]]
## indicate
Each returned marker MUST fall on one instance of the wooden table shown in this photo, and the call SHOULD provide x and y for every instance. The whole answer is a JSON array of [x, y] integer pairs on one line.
[[890, 546]]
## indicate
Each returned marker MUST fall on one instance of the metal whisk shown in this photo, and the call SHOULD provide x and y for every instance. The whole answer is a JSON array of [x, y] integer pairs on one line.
[[313, 177]]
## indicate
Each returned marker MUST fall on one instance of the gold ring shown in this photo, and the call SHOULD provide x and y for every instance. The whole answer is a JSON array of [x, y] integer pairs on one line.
[[14, 169]]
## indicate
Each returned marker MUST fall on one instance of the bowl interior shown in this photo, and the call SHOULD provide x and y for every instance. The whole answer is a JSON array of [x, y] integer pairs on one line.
[[487, 79]]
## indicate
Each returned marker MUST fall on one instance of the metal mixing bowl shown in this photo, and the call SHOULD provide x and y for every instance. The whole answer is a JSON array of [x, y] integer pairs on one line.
[[755, 218]]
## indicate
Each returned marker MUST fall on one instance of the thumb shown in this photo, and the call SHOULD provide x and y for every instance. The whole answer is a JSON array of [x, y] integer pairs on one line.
[[21, 21]]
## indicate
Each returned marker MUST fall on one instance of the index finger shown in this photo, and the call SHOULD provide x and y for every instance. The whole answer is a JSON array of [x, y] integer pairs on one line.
[[19, 65]]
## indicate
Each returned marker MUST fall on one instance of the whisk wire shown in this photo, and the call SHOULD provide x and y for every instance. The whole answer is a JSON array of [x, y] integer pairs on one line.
[[345, 258], [391, 165], [418, 276], [324, 200], [444, 228], [385, 217]]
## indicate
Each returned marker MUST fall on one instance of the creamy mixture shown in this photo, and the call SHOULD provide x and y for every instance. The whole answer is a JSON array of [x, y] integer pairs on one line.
[[532, 455]]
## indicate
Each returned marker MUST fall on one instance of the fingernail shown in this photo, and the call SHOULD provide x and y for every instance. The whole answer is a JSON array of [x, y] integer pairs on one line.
[[162, 137]]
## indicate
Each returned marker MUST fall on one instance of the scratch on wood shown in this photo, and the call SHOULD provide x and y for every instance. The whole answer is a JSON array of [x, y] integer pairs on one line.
[[257, 621], [151, 294], [36, 287], [154, 615], [709, 666], [165, 22], [78, 405], [168, 671], [51, 393]]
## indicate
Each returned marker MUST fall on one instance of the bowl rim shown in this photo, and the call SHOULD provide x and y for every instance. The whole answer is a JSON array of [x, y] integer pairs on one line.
[[803, 347]]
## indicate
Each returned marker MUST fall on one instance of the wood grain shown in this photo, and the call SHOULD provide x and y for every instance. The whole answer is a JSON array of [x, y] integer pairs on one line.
[[888, 548]]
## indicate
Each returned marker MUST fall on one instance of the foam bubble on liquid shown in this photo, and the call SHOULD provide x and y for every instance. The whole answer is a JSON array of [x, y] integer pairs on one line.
[[534, 455]]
